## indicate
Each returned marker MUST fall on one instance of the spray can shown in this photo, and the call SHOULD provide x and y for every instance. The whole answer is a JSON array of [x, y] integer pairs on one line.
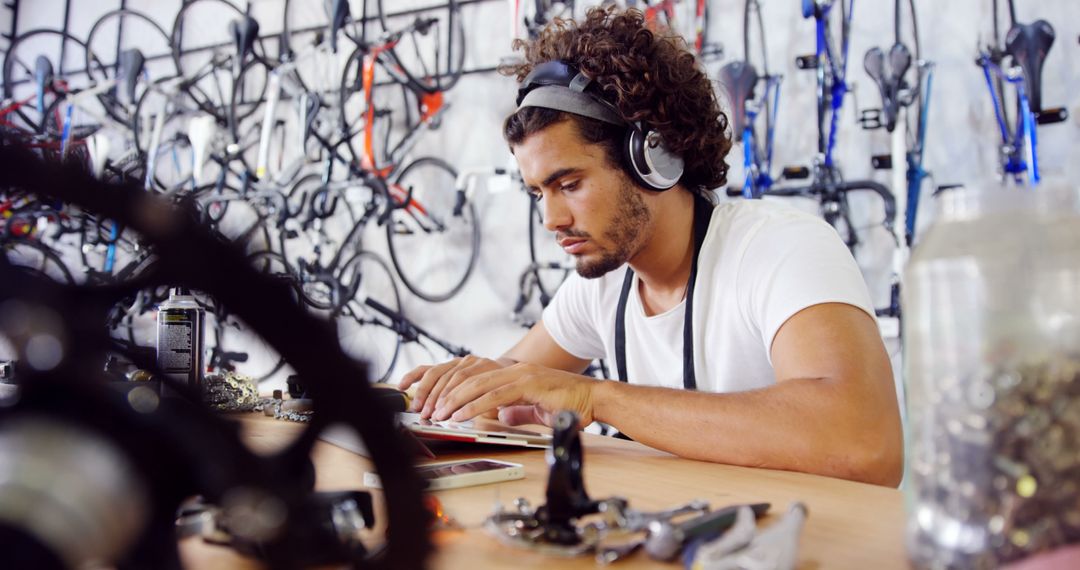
[[180, 338]]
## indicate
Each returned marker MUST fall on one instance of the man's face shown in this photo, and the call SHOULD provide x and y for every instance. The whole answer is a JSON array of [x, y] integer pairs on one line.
[[596, 211]]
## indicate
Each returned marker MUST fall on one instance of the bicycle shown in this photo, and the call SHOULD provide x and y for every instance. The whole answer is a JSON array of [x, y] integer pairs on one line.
[[832, 20], [431, 229], [753, 92], [1018, 62], [905, 81]]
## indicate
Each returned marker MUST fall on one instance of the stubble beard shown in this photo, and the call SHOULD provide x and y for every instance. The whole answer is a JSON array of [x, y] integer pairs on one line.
[[625, 232]]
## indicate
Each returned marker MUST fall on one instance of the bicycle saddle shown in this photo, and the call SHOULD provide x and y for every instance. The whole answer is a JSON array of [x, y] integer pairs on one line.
[[738, 79], [43, 76], [244, 33], [131, 67], [339, 13], [889, 77], [1029, 44]]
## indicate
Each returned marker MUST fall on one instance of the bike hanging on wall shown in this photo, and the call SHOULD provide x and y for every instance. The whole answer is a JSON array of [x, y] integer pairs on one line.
[[1012, 67]]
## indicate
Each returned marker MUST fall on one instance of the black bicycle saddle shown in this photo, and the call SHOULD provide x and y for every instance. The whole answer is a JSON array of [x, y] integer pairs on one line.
[[132, 63], [1029, 44], [738, 79], [244, 33], [889, 78]]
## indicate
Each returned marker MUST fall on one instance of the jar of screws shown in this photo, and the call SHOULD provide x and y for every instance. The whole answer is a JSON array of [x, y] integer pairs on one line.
[[992, 369]]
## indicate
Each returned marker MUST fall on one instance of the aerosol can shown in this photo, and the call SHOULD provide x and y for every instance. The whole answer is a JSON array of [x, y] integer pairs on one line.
[[180, 339]]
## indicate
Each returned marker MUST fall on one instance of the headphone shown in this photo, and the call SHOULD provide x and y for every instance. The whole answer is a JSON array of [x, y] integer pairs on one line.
[[560, 86]]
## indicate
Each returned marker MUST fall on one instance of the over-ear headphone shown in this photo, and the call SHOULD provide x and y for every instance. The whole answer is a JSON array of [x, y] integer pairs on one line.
[[560, 86]]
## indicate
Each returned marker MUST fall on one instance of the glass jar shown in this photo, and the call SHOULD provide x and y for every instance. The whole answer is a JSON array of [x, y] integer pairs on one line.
[[992, 365]]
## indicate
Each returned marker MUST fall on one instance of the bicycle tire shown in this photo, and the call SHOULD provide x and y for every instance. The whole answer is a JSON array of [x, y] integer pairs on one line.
[[429, 224], [538, 234], [756, 54], [262, 362], [101, 72], [441, 69], [366, 334], [193, 73], [38, 258], [17, 72]]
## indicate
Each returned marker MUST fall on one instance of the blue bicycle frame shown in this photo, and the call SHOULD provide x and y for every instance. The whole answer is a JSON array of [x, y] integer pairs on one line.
[[915, 171], [820, 10], [758, 169], [1024, 137]]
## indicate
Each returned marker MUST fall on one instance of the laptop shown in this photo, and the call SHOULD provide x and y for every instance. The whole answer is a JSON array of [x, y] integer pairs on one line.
[[479, 430]]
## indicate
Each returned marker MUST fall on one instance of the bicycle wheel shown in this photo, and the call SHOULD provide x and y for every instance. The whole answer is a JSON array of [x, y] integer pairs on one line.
[[755, 53], [434, 238], [432, 57], [312, 240], [36, 257], [553, 264], [204, 53], [63, 52], [365, 333], [114, 33]]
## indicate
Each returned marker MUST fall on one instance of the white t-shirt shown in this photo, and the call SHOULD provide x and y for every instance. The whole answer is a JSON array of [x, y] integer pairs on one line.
[[761, 263]]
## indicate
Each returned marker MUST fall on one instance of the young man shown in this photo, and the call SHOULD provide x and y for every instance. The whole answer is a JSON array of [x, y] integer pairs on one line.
[[742, 333]]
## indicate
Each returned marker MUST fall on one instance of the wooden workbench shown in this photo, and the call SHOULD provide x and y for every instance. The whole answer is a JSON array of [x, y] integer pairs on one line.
[[850, 525]]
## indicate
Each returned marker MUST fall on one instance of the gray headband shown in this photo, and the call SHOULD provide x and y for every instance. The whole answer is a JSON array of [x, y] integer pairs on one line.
[[567, 100]]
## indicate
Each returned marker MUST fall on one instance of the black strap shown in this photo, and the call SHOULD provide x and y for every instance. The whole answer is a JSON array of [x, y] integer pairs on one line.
[[702, 215]]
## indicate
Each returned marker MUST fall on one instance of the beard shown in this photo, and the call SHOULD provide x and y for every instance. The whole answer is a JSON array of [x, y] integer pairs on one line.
[[625, 232]]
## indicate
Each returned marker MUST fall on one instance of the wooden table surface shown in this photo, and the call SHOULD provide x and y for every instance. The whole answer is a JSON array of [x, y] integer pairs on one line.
[[850, 525]]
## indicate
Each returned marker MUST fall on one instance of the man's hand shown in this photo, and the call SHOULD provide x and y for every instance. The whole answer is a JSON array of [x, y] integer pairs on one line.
[[435, 381], [524, 393]]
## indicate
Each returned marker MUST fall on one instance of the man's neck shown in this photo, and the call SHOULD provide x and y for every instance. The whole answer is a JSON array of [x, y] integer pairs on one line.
[[663, 265]]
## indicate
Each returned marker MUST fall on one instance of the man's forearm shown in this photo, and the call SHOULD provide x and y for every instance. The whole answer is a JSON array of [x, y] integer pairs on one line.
[[809, 425]]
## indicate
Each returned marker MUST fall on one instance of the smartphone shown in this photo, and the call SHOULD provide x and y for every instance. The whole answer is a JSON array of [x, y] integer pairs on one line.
[[462, 473]]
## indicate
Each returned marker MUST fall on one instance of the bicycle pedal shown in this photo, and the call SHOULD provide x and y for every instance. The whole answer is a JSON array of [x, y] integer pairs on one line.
[[795, 172], [881, 162], [806, 62], [870, 119], [1051, 116]]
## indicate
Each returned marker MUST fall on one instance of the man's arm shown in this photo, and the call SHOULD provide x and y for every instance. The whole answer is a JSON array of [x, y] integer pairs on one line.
[[536, 347], [833, 411]]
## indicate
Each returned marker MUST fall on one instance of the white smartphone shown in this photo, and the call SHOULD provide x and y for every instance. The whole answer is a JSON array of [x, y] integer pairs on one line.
[[461, 473]]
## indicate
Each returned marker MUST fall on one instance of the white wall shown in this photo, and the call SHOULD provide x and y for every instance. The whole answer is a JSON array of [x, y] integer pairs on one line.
[[960, 145]]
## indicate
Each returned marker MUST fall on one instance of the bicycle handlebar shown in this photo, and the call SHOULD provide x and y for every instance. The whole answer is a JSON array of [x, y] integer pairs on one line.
[[815, 190]]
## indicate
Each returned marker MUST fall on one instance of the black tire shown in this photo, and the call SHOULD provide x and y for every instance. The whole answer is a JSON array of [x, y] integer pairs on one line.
[[549, 272], [101, 32], [18, 69], [212, 84], [755, 53], [36, 257], [433, 61], [364, 333], [433, 248]]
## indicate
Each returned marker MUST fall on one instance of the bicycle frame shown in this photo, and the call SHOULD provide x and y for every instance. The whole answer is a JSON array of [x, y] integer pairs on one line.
[[915, 171], [1015, 161], [758, 179], [831, 75]]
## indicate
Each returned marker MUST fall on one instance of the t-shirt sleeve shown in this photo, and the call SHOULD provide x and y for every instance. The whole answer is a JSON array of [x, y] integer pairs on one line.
[[794, 265], [569, 318]]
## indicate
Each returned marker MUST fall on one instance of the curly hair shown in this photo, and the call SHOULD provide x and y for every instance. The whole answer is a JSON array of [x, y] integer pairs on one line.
[[647, 74]]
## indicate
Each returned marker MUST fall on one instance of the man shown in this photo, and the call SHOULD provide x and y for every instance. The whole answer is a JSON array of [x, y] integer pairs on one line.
[[743, 333]]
